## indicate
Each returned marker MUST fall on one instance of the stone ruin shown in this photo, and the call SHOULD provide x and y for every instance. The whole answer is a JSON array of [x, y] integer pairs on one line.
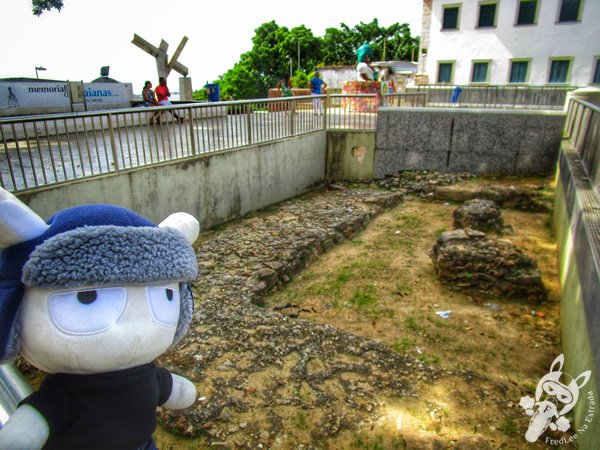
[[466, 259], [479, 214]]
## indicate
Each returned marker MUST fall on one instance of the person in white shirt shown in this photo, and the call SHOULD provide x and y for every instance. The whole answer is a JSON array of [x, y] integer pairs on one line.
[[364, 70]]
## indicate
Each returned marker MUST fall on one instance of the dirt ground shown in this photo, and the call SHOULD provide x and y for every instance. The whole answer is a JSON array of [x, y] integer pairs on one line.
[[381, 285], [487, 353]]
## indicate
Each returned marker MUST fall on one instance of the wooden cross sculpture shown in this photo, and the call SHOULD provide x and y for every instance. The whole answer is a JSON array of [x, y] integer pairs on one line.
[[160, 53]]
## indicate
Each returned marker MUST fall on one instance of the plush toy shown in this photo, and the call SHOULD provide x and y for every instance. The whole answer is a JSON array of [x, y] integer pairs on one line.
[[92, 297]]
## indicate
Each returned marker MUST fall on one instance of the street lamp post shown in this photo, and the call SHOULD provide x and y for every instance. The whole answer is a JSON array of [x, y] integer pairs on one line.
[[38, 68]]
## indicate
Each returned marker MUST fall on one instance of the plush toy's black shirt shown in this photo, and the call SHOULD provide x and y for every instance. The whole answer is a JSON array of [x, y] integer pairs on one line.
[[114, 410]]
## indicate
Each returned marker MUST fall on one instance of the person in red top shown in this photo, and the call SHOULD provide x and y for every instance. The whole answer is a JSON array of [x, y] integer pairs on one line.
[[162, 95]]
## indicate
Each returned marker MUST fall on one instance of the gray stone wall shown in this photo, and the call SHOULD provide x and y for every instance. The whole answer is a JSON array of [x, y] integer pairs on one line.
[[474, 140]]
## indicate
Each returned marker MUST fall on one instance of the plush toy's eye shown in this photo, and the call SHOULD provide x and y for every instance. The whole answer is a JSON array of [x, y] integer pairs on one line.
[[87, 312], [164, 304]]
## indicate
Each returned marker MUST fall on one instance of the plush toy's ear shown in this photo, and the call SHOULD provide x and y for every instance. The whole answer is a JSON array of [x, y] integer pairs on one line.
[[18, 223], [184, 223]]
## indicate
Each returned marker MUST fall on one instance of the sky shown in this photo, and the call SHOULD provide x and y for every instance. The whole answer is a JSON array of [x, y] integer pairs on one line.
[[73, 44]]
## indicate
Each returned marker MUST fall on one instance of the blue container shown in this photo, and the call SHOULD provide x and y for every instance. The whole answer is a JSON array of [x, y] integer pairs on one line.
[[214, 92], [456, 94]]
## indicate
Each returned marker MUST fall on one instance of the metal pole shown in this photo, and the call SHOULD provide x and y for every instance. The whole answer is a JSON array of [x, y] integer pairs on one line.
[[113, 142], [13, 389]]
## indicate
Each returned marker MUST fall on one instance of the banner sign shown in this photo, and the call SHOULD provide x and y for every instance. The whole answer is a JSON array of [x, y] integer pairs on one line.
[[24, 95]]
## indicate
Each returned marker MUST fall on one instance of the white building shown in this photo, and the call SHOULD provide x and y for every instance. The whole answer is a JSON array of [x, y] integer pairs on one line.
[[523, 42]]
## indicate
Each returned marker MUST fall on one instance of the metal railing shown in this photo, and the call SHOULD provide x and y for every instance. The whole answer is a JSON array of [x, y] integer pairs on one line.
[[405, 99], [582, 129], [44, 150], [503, 97], [49, 149], [351, 111]]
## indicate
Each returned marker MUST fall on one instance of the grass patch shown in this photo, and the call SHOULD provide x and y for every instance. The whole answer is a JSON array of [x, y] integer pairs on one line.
[[403, 345], [427, 359], [509, 427], [364, 297], [301, 420], [411, 323], [403, 288], [377, 442], [407, 222], [440, 231]]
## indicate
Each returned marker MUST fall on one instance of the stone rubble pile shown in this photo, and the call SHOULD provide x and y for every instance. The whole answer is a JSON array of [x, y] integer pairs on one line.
[[520, 198], [421, 182], [466, 259], [479, 214]]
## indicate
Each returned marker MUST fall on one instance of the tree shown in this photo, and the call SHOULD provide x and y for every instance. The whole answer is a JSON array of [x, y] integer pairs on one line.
[[275, 49], [269, 55], [39, 6], [241, 82], [339, 46], [310, 48], [392, 43]]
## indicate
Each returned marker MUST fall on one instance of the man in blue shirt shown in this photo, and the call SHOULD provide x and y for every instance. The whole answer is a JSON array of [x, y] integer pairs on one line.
[[317, 87]]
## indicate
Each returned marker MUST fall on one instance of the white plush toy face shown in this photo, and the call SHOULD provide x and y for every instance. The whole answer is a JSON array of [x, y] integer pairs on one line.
[[98, 329]]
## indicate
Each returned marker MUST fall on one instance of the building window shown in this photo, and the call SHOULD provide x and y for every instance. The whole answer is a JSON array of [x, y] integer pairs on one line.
[[527, 10], [445, 70], [487, 15], [450, 21], [569, 10], [596, 79], [480, 72], [559, 71], [518, 71]]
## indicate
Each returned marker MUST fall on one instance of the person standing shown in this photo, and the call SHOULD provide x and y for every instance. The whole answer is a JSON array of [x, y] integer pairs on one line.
[[285, 86], [163, 94], [317, 87], [364, 69], [285, 91], [149, 98]]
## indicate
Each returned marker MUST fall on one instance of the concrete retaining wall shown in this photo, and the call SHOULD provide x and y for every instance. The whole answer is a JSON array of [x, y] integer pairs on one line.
[[214, 188], [577, 225], [479, 141], [350, 155]]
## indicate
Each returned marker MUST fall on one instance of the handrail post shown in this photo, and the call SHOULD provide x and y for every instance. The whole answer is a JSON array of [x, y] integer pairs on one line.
[[291, 107], [325, 108], [249, 123], [190, 115], [113, 142]]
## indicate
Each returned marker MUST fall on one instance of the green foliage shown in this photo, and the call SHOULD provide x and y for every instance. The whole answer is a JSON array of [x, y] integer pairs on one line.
[[403, 345], [240, 82], [275, 48], [395, 42], [364, 297], [200, 94], [39, 6], [301, 79]]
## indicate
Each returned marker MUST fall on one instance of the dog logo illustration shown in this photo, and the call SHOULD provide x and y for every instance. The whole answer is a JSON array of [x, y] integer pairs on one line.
[[556, 394]]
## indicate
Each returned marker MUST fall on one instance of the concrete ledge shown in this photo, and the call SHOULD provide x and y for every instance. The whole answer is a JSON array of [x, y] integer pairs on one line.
[[480, 141]]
